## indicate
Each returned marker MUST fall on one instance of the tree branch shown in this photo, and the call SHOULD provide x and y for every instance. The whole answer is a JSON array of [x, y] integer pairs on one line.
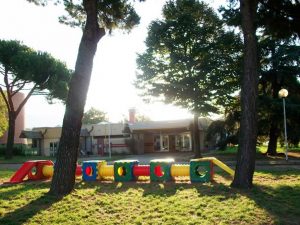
[[2, 70], [19, 88], [25, 100], [8, 92]]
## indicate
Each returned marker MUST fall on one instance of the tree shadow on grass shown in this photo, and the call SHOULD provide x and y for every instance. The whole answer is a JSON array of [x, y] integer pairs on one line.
[[8, 192], [162, 189], [24, 213], [281, 201]]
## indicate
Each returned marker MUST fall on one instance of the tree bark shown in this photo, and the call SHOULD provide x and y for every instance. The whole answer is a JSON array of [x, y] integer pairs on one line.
[[248, 131], [274, 132], [12, 116], [273, 136], [10, 135], [64, 172], [196, 136]]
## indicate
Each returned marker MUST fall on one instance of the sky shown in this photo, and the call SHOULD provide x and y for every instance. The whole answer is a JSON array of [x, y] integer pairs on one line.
[[111, 89]]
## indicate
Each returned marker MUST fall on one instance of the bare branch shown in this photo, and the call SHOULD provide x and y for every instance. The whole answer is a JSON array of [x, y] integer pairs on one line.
[[25, 100], [13, 83], [18, 89], [8, 91], [2, 70]]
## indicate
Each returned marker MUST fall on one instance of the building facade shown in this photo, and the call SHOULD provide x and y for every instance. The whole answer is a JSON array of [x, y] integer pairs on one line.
[[118, 138], [97, 139], [166, 136]]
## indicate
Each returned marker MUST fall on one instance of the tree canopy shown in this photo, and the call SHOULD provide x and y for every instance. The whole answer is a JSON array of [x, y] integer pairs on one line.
[[23, 68], [278, 37], [279, 18], [30, 71], [94, 116], [190, 60], [280, 60]]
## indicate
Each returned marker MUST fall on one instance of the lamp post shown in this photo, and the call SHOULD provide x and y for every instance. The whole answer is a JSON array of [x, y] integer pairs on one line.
[[283, 93]]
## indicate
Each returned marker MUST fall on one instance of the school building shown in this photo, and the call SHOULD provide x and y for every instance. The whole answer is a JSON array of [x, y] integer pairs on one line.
[[119, 138]]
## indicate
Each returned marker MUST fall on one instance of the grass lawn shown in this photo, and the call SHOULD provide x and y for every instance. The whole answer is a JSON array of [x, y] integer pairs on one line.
[[260, 151], [22, 159], [275, 199]]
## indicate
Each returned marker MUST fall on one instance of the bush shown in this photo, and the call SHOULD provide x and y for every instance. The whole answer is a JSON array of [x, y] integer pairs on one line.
[[130, 143], [17, 149]]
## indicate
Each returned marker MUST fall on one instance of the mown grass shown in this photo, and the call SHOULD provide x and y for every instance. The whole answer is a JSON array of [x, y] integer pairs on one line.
[[275, 199], [22, 159], [262, 149], [259, 149]]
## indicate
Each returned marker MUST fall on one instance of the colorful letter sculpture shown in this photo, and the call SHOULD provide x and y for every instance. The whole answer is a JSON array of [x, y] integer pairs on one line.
[[123, 170], [160, 170]]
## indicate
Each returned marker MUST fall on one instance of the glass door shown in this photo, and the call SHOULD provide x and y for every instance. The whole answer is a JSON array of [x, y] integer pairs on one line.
[[165, 143]]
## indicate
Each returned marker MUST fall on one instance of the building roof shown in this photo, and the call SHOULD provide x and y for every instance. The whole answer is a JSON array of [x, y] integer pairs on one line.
[[171, 124], [31, 134], [105, 129]]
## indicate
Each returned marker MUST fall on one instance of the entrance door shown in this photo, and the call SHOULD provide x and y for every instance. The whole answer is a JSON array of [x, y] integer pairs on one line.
[[161, 143], [165, 143], [156, 142], [100, 146]]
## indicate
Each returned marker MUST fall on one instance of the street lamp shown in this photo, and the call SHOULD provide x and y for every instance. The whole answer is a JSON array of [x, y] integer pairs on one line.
[[283, 93]]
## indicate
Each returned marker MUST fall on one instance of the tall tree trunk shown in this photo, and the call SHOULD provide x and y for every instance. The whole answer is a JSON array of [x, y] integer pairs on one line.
[[12, 114], [64, 172], [274, 131], [196, 136], [273, 136], [10, 135], [248, 132]]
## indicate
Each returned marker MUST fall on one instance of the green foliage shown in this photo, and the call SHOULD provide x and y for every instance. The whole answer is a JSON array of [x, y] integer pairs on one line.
[[224, 132], [190, 60], [280, 18], [112, 14], [216, 132], [279, 52], [3, 117], [25, 68], [20, 150], [17, 150], [279, 68], [94, 116], [276, 17]]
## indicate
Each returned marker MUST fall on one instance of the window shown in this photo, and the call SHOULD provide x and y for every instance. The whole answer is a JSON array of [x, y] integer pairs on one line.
[[183, 142], [53, 148], [34, 143], [156, 141]]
